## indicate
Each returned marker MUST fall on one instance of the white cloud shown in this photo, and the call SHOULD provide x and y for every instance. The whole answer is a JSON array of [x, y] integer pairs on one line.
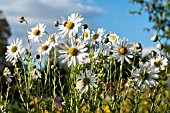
[[45, 11], [147, 50]]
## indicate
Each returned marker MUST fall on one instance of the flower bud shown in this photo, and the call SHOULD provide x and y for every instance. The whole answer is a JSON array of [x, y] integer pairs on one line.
[[56, 23], [34, 66], [154, 38], [138, 46], [21, 19], [153, 53], [110, 52], [107, 35], [84, 26], [106, 40], [159, 47], [52, 66], [37, 56]]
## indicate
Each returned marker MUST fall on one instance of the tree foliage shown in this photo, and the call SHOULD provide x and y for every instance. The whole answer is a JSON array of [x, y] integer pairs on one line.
[[5, 33], [159, 15]]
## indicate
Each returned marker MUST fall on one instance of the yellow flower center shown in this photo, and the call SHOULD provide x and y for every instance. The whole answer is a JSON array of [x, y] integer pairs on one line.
[[36, 32], [156, 63], [123, 50], [69, 25], [52, 39], [89, 56], [86, 34], [144, 75], [72, 51], [113, 38], [95, 36], [86, 80], [14, 49], [44, 47]]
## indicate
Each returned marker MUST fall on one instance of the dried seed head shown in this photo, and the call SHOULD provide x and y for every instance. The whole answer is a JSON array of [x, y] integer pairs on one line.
[[154, 38], [56, 23], [84, 26], [21, 19]]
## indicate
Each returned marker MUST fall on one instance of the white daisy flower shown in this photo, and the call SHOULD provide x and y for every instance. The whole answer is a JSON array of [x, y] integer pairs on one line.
[[73, 53], [14, 51], [88, 58], [53, 39], [45, 48], [113, 37], [123, 51], [36, 74], [37, 32], [146, 75], [92, 55], [159, 62], [70, 27], [85, 81], [97, 37], [86, 34], [7, 74]]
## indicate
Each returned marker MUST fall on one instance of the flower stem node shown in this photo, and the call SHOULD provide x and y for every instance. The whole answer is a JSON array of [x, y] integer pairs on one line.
[[26, 52]]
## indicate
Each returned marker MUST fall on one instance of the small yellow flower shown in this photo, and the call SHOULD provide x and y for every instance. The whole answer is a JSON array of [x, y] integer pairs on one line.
[[34, 101], [59, 109], [106, 109], [45, 111], [84, 108]]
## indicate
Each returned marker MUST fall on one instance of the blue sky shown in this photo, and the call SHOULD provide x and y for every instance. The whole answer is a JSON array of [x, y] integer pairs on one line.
[[111, 15]]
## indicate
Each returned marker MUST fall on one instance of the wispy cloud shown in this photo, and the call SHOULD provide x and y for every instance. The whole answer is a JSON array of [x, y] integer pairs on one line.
[[45, 11]]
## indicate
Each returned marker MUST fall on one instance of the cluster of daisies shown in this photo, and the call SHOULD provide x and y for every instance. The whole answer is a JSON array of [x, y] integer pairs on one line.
[[81, 49]]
